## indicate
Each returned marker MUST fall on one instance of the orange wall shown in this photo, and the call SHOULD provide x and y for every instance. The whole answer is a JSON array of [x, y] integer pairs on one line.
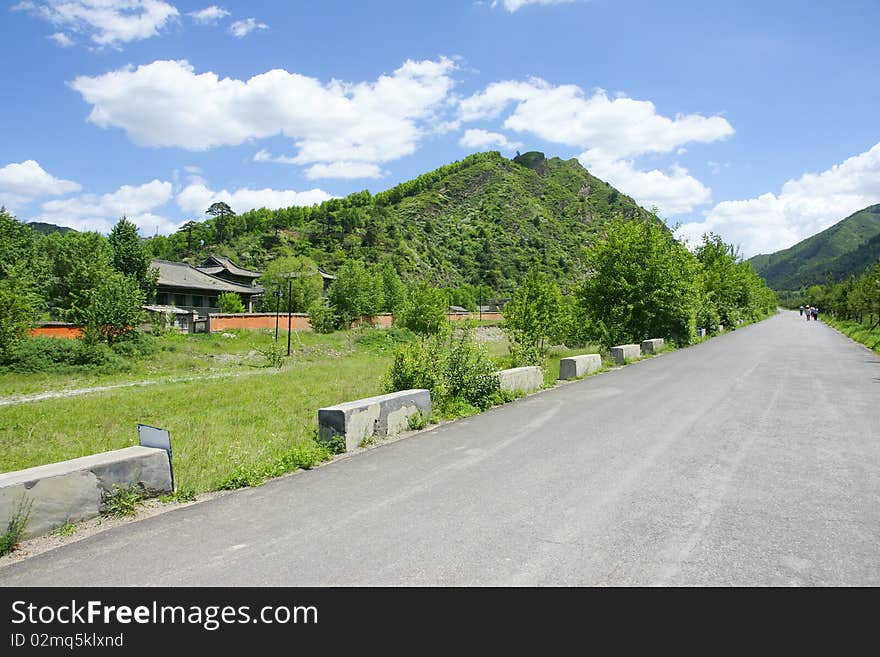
[[59, 331], [299, 322]]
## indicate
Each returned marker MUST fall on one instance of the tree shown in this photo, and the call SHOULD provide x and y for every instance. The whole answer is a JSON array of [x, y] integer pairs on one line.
[[643, 283], [355, 293], [393, 289], [230, 302], [81, 262], [114, 308], [299, 275], [531, 317], [188, 228], [424, 311], [16, 316], [130, 257], [222, 213]]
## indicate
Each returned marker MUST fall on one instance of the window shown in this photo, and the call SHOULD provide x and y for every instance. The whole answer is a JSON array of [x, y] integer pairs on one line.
[[197, 300], [179, 299], [162, 299], [212, 302]]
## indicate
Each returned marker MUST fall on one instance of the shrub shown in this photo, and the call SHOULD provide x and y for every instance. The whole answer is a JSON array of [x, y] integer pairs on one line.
[[424, 310], [322, 318], [16, 314], [123, 501], [42, 354], [16, 526], [383, 340], [230, 302], [457, 371]]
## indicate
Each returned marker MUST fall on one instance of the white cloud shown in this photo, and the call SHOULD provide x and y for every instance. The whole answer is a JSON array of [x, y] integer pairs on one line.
[[105, 22], [347, 170], [804, 207], [474, 138], [197, 198], [514, 5], [611, 132], [609, 128], [675, 192], [23, 182], [61, 39], [167, 103], [101, 212], [208, 15], [241, 29]]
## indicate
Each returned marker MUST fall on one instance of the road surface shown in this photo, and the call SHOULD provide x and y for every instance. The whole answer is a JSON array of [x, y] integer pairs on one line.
[[750, 459]]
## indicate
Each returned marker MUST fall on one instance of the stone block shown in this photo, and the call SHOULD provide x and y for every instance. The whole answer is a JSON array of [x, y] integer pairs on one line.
[[75, 490], [524, 379], [652, 346], [626, 352], [385, 415], [577, 366]]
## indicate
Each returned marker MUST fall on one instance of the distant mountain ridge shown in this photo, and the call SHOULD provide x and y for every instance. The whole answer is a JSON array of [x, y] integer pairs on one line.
[[848, 247], [47, 229]]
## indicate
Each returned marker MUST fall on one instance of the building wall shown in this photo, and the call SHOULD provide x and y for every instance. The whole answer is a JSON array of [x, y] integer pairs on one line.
[[56, 331]]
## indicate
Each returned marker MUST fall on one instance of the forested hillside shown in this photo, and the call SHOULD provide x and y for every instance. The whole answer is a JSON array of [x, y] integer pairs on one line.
[[847, 248], [480, 221]]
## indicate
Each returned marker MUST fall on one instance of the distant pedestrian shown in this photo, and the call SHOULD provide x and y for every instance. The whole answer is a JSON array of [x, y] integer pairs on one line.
[[815, 314], [802, 310], [807, 309]]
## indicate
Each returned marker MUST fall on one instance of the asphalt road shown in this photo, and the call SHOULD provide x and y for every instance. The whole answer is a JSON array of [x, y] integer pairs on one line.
[[751, 459]]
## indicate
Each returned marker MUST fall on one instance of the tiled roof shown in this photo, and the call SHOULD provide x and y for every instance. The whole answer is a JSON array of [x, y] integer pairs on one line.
[[227, 264], [182, 275]]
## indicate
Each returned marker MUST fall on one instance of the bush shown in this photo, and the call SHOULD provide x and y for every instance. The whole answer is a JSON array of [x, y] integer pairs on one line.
[[457, 371], [16, 526], [230, 302], [16, 315], [61, 356], [322, 318], [383, 340], [424, 310], [136, 345]]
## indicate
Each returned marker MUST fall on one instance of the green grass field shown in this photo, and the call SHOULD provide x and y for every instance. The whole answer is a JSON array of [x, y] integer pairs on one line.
[[218, 426]]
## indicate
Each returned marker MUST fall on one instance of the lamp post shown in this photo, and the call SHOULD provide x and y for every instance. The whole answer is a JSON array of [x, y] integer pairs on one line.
[[289, 295], [277, 305]]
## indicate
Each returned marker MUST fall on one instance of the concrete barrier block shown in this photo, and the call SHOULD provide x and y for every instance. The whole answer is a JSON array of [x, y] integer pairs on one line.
[[525, 379], [652, 346], [385, 415], [626, 352], [577, 366], [75, 490]]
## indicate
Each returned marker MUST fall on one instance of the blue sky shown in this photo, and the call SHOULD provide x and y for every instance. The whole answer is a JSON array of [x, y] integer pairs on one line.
[[757, 120]]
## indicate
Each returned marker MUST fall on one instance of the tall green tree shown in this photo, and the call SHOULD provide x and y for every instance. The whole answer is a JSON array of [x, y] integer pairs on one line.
[[643, 283], [131, 257], [355, 293], [222, 213], [424, 310], [299, 275], [531, 317], [114, 308]]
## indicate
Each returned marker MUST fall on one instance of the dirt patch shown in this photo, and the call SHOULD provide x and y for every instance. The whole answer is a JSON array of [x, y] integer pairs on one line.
[[489, 334]]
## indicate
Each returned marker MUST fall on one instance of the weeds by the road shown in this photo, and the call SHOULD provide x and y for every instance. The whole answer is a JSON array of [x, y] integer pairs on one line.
[[16, 526], [867, 333]]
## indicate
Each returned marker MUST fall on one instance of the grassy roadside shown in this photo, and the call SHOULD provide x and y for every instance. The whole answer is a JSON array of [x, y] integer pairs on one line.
[[220, 428], [865, 333]]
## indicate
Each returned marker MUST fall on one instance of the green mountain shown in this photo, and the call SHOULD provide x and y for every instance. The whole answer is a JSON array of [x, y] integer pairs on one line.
[[47, 229], [848, 247], [479, 221]]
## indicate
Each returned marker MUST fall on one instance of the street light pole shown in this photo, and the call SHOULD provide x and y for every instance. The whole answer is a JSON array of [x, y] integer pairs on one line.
[[289, 295], [277, 307]]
